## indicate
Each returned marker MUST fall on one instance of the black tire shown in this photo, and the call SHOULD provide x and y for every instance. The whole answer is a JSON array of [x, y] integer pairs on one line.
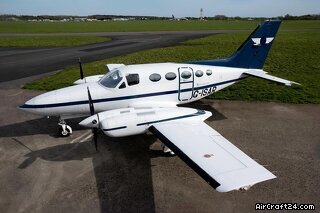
[[62, 133]]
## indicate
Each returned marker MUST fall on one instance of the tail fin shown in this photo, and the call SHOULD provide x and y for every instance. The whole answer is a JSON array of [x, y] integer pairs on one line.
[[253, 52]]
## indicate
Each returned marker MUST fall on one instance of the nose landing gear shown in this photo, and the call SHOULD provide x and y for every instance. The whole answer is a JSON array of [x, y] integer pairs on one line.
[[64, 129]]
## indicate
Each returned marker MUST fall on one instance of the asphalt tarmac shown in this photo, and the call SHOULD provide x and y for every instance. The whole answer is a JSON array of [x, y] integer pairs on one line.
[[16, 63], [41, 172]]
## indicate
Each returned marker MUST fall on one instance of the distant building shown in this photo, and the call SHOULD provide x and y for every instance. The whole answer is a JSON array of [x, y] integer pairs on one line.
[[120, 19]]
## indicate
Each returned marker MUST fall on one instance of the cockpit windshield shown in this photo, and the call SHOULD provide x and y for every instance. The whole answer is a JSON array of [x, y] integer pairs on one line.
[[111, 80]]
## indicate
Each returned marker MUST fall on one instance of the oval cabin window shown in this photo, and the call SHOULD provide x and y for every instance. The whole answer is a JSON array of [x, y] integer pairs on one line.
[[209, 72], [171, 76], [155, 77], [185, 74], [199, 73]]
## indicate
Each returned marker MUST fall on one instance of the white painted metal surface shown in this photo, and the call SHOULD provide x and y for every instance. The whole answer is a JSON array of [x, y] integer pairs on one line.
[[264, 75], [219, 158]]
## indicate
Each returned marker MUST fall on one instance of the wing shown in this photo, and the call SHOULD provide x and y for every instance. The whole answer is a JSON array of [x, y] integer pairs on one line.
[[214, 158]]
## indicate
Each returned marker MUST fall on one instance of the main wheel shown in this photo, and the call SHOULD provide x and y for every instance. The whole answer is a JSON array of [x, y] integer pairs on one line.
[[167, 151], [66, 132]]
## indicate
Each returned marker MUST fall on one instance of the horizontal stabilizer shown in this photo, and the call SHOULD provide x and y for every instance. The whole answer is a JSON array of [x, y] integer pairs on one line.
[[262, 74]]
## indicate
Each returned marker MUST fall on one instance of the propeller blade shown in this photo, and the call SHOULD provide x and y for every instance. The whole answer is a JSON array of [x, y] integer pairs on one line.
[[94, 129], [90, 102], [95, 137], [81, 70]]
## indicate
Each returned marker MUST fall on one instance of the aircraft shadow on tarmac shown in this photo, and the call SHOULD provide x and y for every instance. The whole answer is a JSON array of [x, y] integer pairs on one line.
[[122, 169], [37, 126], [122, 166]]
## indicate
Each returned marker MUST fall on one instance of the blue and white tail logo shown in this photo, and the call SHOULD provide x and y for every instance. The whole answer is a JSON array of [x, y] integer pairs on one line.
[[253, 52], [261, 41]]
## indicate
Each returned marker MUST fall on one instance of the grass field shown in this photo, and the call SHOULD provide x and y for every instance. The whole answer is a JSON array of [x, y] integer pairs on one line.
[[294, 56], [120, 26], [49, 41]]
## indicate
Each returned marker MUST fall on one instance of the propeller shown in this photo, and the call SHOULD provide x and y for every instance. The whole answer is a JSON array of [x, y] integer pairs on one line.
[[81, 70], [95, 128]]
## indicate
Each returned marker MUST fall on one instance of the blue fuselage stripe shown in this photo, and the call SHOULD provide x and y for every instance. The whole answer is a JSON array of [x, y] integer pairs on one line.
[[127, 97]]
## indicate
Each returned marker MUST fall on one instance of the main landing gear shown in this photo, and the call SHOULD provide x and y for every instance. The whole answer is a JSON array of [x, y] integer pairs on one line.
[[166, 150], [64, 129]]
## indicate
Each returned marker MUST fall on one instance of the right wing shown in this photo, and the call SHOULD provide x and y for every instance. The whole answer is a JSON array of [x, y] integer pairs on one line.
[[214, 158]]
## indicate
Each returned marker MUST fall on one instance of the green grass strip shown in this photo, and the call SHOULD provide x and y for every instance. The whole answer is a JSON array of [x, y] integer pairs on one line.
[[294, 56], [137, 26]]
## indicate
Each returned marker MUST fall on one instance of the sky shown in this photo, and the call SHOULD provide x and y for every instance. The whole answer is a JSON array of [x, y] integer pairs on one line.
[[180, 8]]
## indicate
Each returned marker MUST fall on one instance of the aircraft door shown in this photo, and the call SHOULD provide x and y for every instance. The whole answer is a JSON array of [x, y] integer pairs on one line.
[[186, 83]]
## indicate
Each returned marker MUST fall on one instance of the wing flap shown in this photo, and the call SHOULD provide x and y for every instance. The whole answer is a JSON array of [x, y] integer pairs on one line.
[[214, 158]]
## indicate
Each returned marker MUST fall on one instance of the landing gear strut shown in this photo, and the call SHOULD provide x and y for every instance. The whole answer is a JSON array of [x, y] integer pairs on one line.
[[64, 129], [166, 150]]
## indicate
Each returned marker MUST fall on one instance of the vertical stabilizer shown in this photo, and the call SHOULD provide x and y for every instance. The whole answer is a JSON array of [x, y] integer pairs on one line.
[[253, 52]]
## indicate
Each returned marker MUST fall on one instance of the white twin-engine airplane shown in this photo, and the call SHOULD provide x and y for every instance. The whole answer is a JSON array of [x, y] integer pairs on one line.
[[134, 99]]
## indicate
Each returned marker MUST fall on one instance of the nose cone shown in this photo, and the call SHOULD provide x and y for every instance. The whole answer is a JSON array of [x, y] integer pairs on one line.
[[37, 103], [56, 102], [90, 122], [27, 104], [71, 100]]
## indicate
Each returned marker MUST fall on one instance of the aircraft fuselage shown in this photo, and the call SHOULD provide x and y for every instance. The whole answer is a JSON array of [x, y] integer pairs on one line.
[[146, 85]]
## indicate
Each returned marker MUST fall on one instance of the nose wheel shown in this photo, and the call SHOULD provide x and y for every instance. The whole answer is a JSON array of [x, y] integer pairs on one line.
[[64, 129]]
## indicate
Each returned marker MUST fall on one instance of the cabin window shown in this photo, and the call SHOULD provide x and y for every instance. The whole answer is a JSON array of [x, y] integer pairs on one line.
[[132, 79], [111, 80], [185, 74], [199, 73], [170, 76], [155, 77], [209, 72], [123, 85]]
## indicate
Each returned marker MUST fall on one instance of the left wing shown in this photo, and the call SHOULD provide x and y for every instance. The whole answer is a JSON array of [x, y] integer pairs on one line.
[[214, 158]]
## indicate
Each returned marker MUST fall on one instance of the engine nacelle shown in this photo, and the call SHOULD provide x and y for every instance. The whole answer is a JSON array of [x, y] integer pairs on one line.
[[137, 121], [123, 125], [133, 121]]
